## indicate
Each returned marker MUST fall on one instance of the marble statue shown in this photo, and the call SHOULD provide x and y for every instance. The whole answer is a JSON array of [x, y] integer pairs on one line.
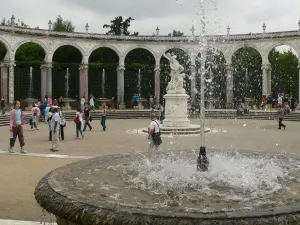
[[175, 85]]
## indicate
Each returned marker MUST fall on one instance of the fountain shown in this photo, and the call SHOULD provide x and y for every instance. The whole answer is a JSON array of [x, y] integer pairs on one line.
[[67, 100], [140, 99], [248, 100], [167, 188], [103, 101], [30, 101], [210, 99]]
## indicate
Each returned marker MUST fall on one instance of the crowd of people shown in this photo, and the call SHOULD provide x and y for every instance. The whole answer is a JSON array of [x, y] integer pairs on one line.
[[51, 113]]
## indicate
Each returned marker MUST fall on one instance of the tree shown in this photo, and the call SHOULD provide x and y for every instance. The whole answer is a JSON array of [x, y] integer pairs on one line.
[[61, 25], [176, 33], [247, 74], [285, 73], [117, 23], [8, 22]]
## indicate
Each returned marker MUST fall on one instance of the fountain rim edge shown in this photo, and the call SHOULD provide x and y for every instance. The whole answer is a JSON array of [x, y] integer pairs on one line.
[[44, 191]]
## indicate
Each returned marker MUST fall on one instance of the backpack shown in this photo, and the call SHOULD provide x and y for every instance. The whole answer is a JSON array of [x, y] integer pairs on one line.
[[77, 120]]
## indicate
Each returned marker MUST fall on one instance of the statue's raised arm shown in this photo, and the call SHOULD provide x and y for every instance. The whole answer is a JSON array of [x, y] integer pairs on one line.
[[167, 56]]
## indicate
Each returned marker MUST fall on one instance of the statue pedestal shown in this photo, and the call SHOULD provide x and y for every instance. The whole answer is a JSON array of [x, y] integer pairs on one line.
[[67, 102], [29, 103], [176, 113], [140, 103], [103, 102]]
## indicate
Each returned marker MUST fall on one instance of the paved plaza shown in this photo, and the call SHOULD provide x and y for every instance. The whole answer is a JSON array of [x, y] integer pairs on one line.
[[19, 174]]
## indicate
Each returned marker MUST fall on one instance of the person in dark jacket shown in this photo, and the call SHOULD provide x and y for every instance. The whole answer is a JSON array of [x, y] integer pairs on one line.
[[3, 105], [42, 110]]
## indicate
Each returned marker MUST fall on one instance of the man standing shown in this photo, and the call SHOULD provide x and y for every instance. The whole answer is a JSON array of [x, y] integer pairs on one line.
[[55, 126], [280, 117], [3, 105], [87, 116], [16, 127], [154, 133]]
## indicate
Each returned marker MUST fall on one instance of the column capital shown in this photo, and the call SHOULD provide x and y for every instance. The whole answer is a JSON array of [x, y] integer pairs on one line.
[[83, 66], [266, 66], [121, 67], [229, 68], [46, 66], [11, 64], [157, 68]]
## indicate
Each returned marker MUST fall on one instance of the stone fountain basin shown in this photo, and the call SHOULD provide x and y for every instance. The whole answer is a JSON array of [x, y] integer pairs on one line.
[[91, 192]]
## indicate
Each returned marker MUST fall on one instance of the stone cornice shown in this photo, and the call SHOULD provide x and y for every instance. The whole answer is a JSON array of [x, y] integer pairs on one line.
[[217, 38]]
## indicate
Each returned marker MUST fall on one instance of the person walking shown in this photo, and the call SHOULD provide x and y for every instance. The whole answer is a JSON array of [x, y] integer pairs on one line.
[[87, 116], [154, 133], [61, 103], [78, 123], [113, 103], [103, 118], [92, 103], [50, 113], [3, 105], [55, 126], [293, 104], [82, 102], [62, 124], [34, 118], [16, 128], [42, 112], [280, 117], [161, 113]]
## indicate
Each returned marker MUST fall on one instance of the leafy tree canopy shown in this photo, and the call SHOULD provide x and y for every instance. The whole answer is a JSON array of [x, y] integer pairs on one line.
[[176, 33], [117, 23], [61, 25], [18, 23]]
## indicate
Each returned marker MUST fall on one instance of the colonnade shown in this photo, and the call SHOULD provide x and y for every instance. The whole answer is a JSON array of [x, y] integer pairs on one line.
[[7, 81]]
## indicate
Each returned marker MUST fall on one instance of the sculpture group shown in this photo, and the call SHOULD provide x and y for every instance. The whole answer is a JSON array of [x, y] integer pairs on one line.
[[175, 85]]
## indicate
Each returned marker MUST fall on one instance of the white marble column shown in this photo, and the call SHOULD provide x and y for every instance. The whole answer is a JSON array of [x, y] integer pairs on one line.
[[84, 81], [265, 68], [49, 79], [229, 85], [44, 73], [157, 84], [193, 84], [11, 83], [270, 80], [120, 98], [4, 76]]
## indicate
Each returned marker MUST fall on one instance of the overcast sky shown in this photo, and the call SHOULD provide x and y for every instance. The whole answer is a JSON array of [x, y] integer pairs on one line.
[[243, 16]]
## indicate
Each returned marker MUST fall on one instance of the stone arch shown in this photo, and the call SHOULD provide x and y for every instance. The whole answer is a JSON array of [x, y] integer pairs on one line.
[[78, 47], [103, 61], [216, 49], [277, 44], [279, 69], [19, 44], [140, 47], [244, 45], [247, 73], [139, 63], [103, 46], [176, 47], [6, 45]]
